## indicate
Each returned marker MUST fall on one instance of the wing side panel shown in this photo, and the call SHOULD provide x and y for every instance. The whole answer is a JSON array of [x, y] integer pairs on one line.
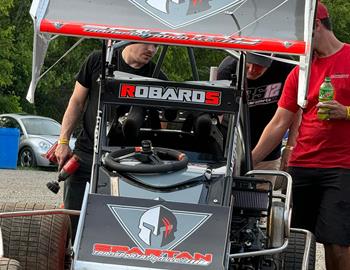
[[172, 37]]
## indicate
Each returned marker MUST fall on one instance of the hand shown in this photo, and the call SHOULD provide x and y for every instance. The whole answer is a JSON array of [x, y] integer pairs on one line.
[[286, 153], [336, 110], [63, 153]]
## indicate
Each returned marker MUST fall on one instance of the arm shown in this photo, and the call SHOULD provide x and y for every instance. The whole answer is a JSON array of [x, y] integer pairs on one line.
[[70, 119], [292, 136], [272, 134]]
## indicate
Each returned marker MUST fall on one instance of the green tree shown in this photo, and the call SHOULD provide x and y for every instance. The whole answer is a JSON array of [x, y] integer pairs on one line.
[[21, 51], [6, 43], [177, 64], [55, 88], [10, 104], [16, 46], [339, 11]]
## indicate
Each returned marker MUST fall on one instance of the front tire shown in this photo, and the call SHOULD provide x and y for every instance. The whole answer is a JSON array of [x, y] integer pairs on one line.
[[293, 256], [27, 158]]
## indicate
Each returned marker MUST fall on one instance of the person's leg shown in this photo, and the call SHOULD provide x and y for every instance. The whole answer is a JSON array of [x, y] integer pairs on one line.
[[337, 257], [333, 224]]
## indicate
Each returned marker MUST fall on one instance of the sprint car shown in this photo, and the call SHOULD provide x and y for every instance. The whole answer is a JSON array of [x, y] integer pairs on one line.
[[181, 195]]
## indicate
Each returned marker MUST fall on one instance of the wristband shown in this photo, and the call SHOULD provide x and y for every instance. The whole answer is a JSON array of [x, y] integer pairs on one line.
[[288, 147], [63, 141], [348, 112]]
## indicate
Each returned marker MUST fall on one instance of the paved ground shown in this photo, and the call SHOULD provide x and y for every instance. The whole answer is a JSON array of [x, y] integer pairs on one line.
[[30, 186]]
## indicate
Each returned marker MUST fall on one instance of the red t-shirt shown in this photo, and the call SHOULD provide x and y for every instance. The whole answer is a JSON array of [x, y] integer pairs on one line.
[[321, 144]]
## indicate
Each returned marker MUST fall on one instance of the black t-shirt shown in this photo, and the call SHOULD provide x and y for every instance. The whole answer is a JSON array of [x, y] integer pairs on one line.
[[88, 77], [263, 95]]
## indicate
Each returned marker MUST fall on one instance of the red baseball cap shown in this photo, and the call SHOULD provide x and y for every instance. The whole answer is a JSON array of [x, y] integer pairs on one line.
[[322, 11]]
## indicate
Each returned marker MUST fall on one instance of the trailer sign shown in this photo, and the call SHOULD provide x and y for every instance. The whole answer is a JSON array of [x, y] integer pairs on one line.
[[146, 92]]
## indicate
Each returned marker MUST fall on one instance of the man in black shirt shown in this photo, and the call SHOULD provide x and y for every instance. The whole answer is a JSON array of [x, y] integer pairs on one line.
[[265, 80], [134, 58]]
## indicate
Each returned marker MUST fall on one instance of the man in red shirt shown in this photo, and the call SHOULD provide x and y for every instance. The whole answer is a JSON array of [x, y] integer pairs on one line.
[[320, 162]]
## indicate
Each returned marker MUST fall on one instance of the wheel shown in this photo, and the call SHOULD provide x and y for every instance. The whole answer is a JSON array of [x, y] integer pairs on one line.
[[37, 242], [276, 225], [27, 157], [293, 256], [145, 159], [9, 264]]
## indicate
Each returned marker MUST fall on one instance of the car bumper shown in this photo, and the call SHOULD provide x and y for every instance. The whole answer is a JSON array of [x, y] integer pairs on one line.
[[41, 161]]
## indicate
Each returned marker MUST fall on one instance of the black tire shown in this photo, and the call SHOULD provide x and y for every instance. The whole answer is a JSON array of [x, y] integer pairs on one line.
[[37, 242], [26, 157], [293, 256], [9, 264]]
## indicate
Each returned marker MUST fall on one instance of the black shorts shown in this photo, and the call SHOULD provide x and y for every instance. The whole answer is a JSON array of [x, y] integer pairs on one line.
[[321, 203]]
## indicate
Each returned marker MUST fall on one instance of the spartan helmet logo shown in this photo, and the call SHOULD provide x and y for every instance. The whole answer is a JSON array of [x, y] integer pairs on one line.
[[157, 226], [179, 13], [193, 6]]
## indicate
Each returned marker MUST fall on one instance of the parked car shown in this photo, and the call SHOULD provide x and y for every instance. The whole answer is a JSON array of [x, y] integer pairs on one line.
[[37, 135]]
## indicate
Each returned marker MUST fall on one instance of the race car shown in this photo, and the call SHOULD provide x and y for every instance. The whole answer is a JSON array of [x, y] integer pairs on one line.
[[174, 197]]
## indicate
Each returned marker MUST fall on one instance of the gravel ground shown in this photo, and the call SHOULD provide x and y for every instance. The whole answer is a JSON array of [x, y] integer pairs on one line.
[[30, 186], [27, 186]]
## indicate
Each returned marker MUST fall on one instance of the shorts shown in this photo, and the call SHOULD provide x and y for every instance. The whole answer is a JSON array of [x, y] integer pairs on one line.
[[321, 203]]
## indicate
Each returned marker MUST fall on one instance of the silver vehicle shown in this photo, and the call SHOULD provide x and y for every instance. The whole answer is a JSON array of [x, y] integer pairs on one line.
[[37, 135]]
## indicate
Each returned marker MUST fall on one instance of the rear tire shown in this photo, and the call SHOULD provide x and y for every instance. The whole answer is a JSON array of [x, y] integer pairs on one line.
[[293, 256], [37, 242], [9, 264]]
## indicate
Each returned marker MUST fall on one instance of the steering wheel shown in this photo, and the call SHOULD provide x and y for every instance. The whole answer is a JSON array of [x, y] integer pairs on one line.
[[151, 159]]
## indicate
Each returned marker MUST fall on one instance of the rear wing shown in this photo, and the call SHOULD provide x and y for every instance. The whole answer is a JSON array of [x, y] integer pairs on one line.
[[277, 26]]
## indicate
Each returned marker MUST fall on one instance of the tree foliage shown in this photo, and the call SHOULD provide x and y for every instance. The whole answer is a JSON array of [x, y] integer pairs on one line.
[[6, 43], [177, 64], [54, 90], [339, 11], [10, 104]]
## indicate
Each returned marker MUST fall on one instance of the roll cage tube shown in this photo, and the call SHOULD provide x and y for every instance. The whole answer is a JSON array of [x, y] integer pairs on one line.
[[233, 125], [160, 61], [97, 141], [193, 63], [242, 84]]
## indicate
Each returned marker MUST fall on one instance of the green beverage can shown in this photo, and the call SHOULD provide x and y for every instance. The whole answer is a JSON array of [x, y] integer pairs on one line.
[[326, 94]]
